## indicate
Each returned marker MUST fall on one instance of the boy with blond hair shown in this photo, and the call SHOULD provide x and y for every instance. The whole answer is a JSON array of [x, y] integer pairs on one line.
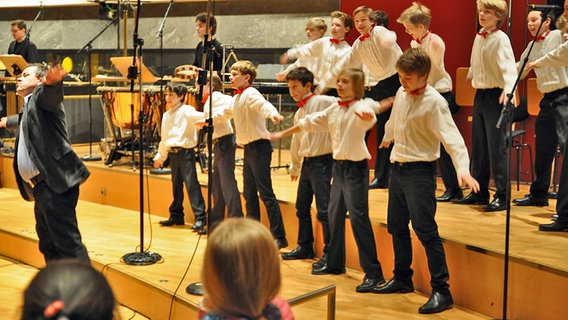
[[332, 53], [249, 111], [416, 21], [493, 74], [377, 51], [315, 29], [419, 122]]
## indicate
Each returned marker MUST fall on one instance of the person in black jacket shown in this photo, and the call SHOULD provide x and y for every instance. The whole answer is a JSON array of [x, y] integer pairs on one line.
[[46, 167]]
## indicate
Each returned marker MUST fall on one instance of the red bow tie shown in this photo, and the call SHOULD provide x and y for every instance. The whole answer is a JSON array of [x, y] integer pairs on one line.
[[541, 37], [334, 41], [303, 102], [345, 103], [418, 91], [366, 36], [419, 41], [204, 99], [484, 33], [240, 90]]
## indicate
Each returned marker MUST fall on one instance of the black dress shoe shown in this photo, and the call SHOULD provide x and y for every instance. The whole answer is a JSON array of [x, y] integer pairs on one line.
[[299, 253], [321, 262], [394, 286], [281, 243], [199, 224], [531, 200], [553, 227], [497, 204], [172, 221], [368, 284], [326, 270], [438, 302], [450, 195], [473, 198], [377, 184]]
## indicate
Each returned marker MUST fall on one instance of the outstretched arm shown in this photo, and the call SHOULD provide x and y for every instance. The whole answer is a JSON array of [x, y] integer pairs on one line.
[[284, 133]]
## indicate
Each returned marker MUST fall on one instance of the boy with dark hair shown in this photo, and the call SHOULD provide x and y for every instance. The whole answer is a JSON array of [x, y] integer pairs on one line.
[[178, 140], [420, 120], [311, 161]]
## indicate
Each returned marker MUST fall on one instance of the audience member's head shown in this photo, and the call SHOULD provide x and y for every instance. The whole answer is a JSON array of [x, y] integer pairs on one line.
[[241, 270], [68, 290]]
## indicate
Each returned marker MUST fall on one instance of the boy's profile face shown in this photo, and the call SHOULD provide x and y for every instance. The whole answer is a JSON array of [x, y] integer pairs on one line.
[[200, 28], [415, 31], [345, 88], [487, 18], [297, 90], [534, 20], [238, 80], [314, 34], [338, 29], [172, 99], [411, 81], [362, 22]]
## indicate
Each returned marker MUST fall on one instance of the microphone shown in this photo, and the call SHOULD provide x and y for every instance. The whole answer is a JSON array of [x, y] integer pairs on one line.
[[542, 7]]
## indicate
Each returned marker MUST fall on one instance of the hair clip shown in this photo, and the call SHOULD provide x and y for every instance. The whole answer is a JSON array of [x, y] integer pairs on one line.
[[53, 309]]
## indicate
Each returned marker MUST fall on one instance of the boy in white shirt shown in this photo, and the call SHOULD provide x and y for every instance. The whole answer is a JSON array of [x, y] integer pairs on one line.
[[416, 21], [311, 166], [178, 140], [493, 74], [419, 122], [552, 121], [249, 112], [332, 53]]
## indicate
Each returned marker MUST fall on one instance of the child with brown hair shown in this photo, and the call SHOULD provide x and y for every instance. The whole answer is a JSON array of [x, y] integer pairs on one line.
[[419, 122], [347, 121]]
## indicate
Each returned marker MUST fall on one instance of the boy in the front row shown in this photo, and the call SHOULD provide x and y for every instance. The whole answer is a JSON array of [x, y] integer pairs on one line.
[[249, 112], [179, 138], [420, 120], [311, 161]]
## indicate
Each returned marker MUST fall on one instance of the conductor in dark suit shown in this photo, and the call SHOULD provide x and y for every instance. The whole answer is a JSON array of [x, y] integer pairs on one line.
[[45, 165]]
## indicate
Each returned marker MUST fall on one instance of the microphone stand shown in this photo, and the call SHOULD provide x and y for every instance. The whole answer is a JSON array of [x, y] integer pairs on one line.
[[196, 288], [142, 257], [35, 19], [88, 48], [507, 117], [160, 34]]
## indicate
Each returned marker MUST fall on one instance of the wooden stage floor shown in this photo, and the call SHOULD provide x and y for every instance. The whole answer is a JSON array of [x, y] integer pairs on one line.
[[474, 242]]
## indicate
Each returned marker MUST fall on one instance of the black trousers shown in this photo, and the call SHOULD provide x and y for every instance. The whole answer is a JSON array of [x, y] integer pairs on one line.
[[412, 199], [447, 169], [257, 180], [384, 89], [184, 172], [562, 202], [315, 180], [350, 192], [56, 224], [551, 128], [488, 142], [225, 191]]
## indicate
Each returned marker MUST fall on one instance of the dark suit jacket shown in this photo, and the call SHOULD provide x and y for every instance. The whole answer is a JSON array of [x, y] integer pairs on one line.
[[43, 123]]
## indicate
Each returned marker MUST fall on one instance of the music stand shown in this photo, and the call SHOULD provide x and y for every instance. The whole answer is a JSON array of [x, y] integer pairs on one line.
[[123, 63], [9, 61]]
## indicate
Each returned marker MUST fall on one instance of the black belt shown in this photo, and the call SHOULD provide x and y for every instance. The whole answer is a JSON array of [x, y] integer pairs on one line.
[[176, 149], [37, 180], [216, 140], [412, 164], [327, 156]]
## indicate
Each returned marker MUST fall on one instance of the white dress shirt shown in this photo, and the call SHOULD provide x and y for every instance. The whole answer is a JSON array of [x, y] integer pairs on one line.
[[178, 130], [379, 53], [331, 58], [310, 144], [347, 130], [26, 166], [548, 79], [556, 58], [438, 78], [249, 112], [492, 62], [220, 101], [417, 125]]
